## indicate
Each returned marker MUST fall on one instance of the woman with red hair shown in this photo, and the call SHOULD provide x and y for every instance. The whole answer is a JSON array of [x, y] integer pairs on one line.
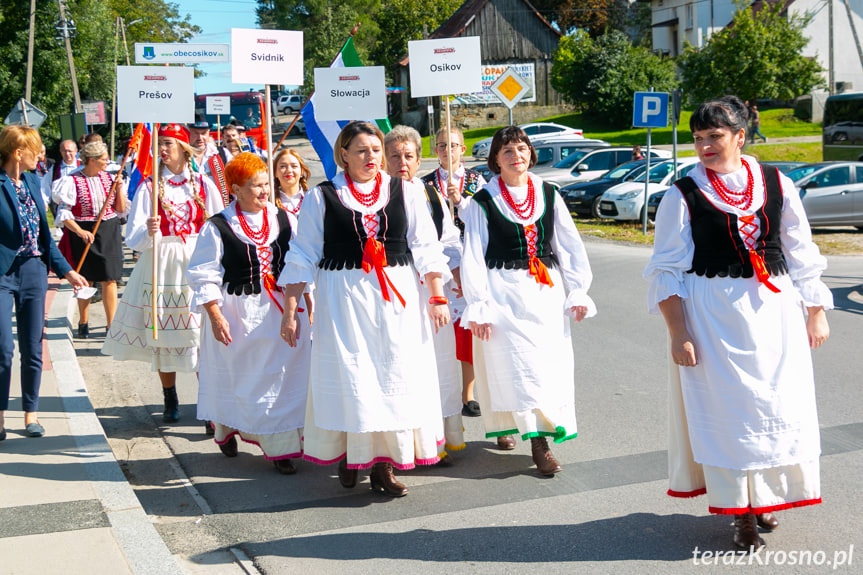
[[186, 200], [251, 383]]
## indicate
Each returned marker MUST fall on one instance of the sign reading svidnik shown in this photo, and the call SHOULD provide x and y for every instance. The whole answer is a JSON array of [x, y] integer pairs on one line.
[[266, 56]]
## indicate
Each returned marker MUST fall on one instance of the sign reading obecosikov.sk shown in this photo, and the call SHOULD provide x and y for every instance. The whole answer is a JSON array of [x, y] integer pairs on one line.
[[181, 53], [155, 94], [266, 56], [444, 67]]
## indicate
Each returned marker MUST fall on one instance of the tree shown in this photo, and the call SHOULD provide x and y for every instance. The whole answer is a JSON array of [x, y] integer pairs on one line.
[[325, 25], [602, 75], [92, 49], [756, 56], [595, 16]]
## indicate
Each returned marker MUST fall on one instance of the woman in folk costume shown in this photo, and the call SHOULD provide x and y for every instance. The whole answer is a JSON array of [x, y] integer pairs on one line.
[[402, 146], [250, 383], [80, 198], [733, 268], [464, 183], [524, 273], [186, 200], [292, 182], [366, 240]]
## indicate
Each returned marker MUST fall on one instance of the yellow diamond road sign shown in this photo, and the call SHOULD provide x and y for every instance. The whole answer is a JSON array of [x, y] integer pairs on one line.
[[510, 88]]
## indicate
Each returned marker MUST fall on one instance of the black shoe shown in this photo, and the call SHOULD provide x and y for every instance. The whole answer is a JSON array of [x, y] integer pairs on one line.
[[208, 428], [229, 448], [284, 466], [172, 405], [470, 409], [2, 435], [83, 331]]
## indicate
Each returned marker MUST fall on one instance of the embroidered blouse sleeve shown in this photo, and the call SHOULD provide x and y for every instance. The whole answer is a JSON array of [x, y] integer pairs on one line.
[[65, 195], [574, 265], [672, 251], [428, 252], [805, 262], [205, 272], [307, 248], [474, 271], [137, 237]]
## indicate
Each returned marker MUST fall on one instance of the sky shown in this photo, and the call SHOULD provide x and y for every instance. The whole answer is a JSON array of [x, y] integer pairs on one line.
[[216, 18]]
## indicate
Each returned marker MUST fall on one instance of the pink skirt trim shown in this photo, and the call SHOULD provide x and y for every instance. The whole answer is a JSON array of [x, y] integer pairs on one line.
[[687, 494], [760, 510], [253, 442], [401, 466]]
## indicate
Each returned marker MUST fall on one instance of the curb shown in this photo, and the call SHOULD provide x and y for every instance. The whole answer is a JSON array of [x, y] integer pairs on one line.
[[136, 536]]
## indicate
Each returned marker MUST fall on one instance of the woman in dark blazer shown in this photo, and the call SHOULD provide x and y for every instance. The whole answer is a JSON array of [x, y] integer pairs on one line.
[[26, 253]]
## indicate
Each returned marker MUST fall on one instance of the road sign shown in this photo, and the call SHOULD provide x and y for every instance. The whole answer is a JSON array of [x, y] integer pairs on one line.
[[34, 115], [650, 110], [510, 88]]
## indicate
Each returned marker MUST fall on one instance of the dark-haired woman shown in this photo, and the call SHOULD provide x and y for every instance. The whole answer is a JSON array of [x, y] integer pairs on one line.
[[366, 240], [732, 270], [524, 273]]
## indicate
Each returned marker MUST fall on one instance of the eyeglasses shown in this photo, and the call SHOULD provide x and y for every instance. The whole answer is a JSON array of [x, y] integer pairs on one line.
[[452, 146]]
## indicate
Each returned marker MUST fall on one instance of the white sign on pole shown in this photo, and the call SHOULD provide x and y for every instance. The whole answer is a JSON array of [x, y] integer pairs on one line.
[[444, 67], [155, 94], [181, 53], [510, 88], [266, 56], [350, 93], [218, 105]]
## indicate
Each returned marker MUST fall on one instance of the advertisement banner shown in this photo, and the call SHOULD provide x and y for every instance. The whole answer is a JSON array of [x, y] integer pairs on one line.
[[490, 75]]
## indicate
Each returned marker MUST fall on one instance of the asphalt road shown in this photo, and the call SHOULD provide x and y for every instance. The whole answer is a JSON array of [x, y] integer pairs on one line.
[[607, 512]]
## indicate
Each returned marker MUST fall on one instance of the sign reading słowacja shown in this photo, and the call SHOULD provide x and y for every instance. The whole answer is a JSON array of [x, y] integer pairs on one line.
[[350, 93]]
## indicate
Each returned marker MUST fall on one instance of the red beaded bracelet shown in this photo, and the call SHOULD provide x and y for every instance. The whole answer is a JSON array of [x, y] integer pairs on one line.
[[438, 300]]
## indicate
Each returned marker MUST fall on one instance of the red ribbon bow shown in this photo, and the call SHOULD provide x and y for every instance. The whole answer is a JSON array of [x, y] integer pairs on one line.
[[375, 257], [761, 271]]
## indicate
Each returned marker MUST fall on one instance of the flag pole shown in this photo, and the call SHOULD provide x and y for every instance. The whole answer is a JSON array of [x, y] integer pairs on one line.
[[296, 117], [450, 178], [268, 117], [155, 213]]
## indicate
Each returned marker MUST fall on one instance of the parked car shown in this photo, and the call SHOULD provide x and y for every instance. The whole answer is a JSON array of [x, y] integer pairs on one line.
[[551, 151], [590, 164], [289, 103], [832, 192], [583, 197], [533, 130], [625, 201], [784, 167]]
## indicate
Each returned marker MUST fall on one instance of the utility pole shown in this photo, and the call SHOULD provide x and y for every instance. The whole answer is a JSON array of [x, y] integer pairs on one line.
[[114, 90], [63, 28], [832, 87], [28, 88]]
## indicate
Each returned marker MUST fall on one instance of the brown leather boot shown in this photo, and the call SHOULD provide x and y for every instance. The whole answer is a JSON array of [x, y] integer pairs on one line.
[[347, 477], [546, 464], [506, 442], [746, 533], [768, 521], [382, 479]]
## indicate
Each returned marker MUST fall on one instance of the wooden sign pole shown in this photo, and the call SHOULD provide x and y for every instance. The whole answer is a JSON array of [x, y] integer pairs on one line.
[[450, 178], [155, 213]]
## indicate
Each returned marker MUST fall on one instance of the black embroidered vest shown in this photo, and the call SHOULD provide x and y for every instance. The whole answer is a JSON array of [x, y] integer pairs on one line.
[[507, 247], [471, 185], [719, 249], [345, 235], [240, 260]]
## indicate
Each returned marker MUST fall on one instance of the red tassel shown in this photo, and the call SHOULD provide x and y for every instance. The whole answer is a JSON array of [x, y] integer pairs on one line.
[[270, 285], [761, 271]]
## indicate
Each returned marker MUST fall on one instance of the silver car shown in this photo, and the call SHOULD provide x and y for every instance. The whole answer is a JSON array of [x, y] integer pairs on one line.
[[589, 164], [832, 193]]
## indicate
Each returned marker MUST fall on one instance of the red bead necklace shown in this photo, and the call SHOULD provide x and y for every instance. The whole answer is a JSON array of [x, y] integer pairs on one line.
[[260, 237], [178, 184], [369, 199], [525, 209], [741, 200]]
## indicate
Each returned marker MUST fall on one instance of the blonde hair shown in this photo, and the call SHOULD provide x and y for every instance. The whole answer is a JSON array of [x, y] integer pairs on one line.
[[93, 150], [350, 132], [440, 135], [305, 172], [18, 137]]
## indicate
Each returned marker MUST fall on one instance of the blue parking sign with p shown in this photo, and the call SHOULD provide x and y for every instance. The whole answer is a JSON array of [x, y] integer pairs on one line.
[[650, 110]]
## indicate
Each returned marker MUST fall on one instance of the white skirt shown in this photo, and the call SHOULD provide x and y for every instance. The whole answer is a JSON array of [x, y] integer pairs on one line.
[[131, 335], [257, 384], [525, 372]]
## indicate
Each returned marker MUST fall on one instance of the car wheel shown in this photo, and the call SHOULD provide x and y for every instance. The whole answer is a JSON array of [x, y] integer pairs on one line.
[[594, 210]]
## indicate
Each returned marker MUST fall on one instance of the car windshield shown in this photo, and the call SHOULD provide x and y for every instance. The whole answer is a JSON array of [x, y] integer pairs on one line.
[[571, 159], [657, 173], [623, 169], [800, 173]]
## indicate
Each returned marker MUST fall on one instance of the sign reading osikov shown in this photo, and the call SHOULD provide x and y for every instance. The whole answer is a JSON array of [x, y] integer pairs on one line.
[[444, 67]]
